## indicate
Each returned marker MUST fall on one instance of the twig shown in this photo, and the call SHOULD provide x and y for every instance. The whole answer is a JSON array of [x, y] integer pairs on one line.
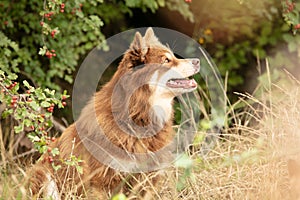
[[58, 125], [20, 155], [2, 147]]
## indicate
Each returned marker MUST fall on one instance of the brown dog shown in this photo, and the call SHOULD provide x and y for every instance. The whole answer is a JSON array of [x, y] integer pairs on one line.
[[131, 115]]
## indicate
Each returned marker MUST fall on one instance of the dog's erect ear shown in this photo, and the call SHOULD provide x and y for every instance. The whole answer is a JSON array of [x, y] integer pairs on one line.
[[138, 45], [137, 42], [150, 36]]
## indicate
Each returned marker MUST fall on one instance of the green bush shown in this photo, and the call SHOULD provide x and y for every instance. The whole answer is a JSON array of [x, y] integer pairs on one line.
[[41, 45], [45, 40], [243, 32]]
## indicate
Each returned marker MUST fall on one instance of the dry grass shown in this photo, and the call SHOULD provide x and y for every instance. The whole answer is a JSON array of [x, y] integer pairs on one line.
[[248, 162]]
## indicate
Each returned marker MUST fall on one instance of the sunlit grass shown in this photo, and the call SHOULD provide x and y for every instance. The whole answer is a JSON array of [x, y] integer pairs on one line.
[[249, 161]]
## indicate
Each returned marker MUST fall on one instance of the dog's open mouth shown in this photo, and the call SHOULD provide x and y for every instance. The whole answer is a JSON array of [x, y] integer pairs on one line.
[[182, 83]]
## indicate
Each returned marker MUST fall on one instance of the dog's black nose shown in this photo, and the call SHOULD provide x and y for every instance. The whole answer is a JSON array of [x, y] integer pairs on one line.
[[195, 61]]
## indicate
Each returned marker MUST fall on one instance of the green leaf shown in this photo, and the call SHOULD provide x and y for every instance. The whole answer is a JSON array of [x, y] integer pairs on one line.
[[26, 84], [132, 3], [184, 161], [79, 169], [33, 138], [45, 104], [55, 151], [50, 92], [27, 122], [6, 113], [120, 196], [43, 51], [199, 138], [205, 124], [19, 128], [69, 78], [39, 94], [1, 73], [34, 105], [12, 76], [56, 167], [43, 149]]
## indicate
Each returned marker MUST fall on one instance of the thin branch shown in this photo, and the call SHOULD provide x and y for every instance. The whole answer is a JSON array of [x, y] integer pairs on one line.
[[21, 155], [58, 125]]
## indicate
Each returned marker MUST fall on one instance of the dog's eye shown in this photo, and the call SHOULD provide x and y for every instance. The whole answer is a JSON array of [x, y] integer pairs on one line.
[[167, 60]]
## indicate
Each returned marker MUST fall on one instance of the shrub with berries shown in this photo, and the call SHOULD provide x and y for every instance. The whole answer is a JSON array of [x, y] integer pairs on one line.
[[291, 10], [31, 109], [40, 46]]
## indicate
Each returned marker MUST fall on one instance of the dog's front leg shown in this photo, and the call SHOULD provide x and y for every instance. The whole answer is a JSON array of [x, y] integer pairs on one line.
[[50, 188]]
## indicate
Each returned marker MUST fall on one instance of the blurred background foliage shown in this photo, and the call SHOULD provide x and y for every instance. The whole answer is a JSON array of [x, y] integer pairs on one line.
[[44, 42]]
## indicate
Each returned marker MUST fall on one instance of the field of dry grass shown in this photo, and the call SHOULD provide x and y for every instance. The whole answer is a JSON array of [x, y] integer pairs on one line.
[[248, 162]]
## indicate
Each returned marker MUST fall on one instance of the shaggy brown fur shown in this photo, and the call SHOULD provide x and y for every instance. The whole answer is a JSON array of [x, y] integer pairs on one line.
[[125, 104]]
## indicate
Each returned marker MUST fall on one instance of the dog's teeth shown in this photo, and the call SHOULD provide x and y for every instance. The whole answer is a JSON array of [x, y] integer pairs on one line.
[[184, 83], [172, 82]]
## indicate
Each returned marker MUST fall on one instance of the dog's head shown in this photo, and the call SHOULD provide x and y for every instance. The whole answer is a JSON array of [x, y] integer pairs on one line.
[[157, 65], [148, 78]]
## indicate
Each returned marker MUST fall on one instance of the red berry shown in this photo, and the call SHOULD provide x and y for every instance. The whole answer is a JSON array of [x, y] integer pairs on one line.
[[53, 33], [49, 149], [5, 23], [64, 103], [63, 97], [62, 10], [53, 139], [49, 54], [13, 104], [50, 159], [28, 92], [52, 50], [29, 99], [14, 98], [32, 127], [297, 26], [42, 23], [62, 5]]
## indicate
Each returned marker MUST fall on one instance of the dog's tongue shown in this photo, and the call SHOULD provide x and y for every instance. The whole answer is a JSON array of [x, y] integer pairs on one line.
[[182, 83]]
